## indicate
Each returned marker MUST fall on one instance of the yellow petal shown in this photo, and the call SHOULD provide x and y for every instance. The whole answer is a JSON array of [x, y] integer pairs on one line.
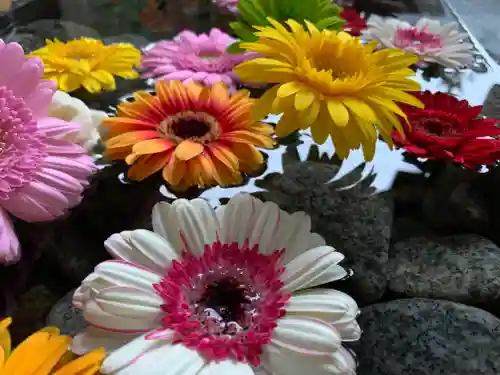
[[174, 171], [338, 112], [303, 99], [188, 149], [152, 146]]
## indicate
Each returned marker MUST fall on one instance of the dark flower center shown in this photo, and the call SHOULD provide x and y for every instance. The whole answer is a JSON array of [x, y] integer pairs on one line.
[[438, 126], [189, 128], [228, 298], [195, 126]]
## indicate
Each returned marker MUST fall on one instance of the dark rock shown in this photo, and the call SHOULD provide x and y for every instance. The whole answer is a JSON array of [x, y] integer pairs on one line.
[[463, 268], [454, 202], [64, 316], [427, 337], [29, 315], [353, 220]]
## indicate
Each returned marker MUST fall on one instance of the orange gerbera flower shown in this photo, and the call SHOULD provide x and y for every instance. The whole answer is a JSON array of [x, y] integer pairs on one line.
[[196, 135]]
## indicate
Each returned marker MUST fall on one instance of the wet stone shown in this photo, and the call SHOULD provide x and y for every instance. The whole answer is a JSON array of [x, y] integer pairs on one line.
[[463, 268], [427, 337], [65, 317], [354, 221]]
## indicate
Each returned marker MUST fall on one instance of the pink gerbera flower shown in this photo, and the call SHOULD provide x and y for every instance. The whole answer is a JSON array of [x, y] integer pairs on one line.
[[41, 175], [191, 57], [230, 5]]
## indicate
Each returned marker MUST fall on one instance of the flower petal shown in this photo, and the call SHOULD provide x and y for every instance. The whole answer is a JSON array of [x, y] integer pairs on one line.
[[314, 267], [153, 358], [187, 150], [186, 224], [305, 335], [142, 247], [226, 368], [9, 244], [92, 338], [131, 303], [331, 306]]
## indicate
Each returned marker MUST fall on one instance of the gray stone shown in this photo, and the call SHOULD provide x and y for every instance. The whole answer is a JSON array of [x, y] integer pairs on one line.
[[427, 337], [463, 268], [64, 316], [353, 220]]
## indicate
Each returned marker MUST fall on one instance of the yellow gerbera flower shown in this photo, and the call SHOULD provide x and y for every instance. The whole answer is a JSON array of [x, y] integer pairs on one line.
[[44, 352], [196, 135], [330, 82], [89, 63]]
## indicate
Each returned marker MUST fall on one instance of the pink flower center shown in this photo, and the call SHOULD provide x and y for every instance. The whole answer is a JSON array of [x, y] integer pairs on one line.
[[225, 303], [415, 38], [21, 148]]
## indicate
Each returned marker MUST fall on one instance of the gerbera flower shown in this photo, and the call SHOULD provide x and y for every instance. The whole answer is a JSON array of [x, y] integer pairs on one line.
[[190, 57], [42, 175], [331, 82], [428, 39], [354, 22], [324, 14], [196, 135], [219, 293], [230, 5], [67, 108], [44, 352], [88, 63], [449, 129]]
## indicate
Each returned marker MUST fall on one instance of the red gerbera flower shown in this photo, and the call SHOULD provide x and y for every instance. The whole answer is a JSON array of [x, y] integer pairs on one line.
[[354, 23], [450, 129]]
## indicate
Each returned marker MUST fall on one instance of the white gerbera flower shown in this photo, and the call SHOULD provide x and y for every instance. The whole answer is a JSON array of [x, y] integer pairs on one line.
[[70, 109], [219, 294], [428, 39]]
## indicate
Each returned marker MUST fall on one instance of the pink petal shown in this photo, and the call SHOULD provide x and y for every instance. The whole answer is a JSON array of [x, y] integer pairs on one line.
[[9, 244], [58, 129]]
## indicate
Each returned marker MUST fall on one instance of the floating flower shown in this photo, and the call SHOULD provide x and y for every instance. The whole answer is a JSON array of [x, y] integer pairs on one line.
[[330, 82], [196, 135], [70, 109], [354, 22], [219, 293], [42, 174], [88, 63], [229, 5], [449, 129], [190, 57], [428, 39], [44, 352], [254, 13]]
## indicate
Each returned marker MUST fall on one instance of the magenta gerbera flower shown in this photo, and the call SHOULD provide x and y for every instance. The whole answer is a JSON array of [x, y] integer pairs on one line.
[[41, 175], [229, 5], [191, 57]]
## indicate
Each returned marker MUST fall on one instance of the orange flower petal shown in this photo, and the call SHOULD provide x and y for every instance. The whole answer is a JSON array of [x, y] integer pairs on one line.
[[208, 166], [225, 156], [117, 125], [243, 136], [174, 171], [188, 149], [146, 166], [250, 158], [131, 138], [152, 146]]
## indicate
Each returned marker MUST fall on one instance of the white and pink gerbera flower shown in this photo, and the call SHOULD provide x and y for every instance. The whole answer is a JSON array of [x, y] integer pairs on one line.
[[219, 293], [191, 57], [432, 41], [41, 174]]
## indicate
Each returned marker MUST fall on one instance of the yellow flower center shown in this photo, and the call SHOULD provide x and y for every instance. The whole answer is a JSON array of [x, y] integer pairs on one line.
[[195, 126]]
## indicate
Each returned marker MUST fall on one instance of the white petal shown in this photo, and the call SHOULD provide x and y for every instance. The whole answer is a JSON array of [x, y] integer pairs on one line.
[[334, 307], [263, 226], [95, 315], [92, 338], [283, 362], [126, 354], [114, 273], [162, 360], [227, 368], [237, 217], [314, 267], [186, 225], [130, 302], [142, 247], [300, 238], [305, 335]]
